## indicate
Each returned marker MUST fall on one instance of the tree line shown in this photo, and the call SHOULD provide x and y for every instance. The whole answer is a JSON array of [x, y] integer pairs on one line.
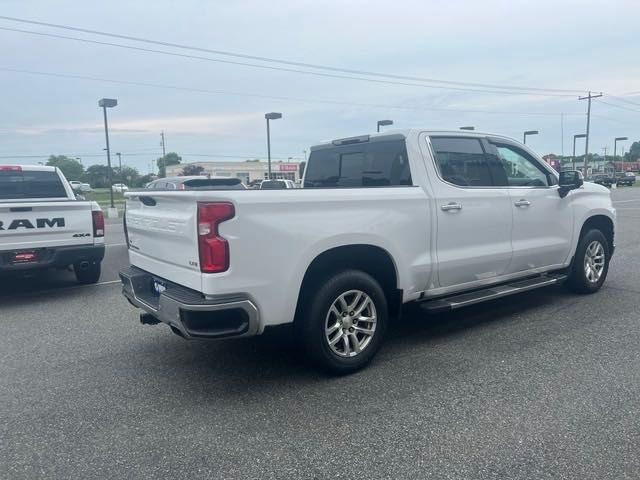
[[98, 175]]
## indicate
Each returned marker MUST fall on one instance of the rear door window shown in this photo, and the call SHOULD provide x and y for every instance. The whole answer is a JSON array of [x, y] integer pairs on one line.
[[462, 161], [367, 164]]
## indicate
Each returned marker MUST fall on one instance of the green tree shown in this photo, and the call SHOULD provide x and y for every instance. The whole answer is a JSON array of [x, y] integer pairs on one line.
[[192, 169], [128, 175], [71, 167], [634, 152], [98, 176], [140, 182], [171, 158]]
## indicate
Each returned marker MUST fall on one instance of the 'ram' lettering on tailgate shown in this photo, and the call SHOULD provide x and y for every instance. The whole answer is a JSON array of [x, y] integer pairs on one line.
[[40, 223]]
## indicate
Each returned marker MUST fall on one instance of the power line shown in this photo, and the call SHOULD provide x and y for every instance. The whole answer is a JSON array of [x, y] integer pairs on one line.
[[619, 106], [620, 99], [283, 69], [274, 97], [285, 62], [73, 155]]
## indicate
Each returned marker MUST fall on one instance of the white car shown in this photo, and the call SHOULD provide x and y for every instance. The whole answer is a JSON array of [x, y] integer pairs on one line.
[[120, 187], [42, 225], [443, 219], [80, 187], [277, 184]]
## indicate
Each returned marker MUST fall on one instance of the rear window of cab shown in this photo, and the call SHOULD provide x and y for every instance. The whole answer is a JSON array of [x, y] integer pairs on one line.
[[360, 165]]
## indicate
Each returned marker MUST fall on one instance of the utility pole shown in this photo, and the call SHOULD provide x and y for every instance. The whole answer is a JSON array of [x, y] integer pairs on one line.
[[604, 149], [562, 134], [120, 166], [164, 153], [586, 143]]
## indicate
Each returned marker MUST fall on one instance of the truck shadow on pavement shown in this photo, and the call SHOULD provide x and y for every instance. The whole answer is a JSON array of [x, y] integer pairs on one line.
[[36, 281], [260, 363]]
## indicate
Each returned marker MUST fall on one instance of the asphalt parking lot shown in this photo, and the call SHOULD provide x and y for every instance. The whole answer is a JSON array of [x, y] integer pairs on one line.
[[543, 385]]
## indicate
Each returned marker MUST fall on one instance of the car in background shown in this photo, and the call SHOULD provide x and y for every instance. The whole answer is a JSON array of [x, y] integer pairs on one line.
[[45, 225], [277, 184], [602, 179], [625, 179], [197, 182], [119, 187], [80, 187], [254, 184]]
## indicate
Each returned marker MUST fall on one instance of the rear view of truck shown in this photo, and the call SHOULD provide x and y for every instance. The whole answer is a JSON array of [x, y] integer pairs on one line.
[[42, 225]]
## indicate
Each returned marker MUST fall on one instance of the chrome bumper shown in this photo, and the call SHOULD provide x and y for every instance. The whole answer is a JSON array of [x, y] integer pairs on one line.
[[187, 312]]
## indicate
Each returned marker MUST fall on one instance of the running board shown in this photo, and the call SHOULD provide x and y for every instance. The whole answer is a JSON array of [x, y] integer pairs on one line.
[[491, 293]]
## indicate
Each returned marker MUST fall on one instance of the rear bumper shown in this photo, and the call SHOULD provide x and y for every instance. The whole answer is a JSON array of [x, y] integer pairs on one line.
[[187, 311], [53, 257]]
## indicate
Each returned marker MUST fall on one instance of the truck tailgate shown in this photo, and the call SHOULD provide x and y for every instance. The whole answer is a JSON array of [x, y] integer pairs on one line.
[[162, 236], [25, 225]]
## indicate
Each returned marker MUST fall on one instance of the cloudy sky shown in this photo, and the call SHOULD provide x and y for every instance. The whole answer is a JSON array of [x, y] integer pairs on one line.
[[212, 110]]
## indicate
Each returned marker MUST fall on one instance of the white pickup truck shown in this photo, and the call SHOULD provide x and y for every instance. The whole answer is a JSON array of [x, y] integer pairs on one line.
[[446, 219], [43, 225]]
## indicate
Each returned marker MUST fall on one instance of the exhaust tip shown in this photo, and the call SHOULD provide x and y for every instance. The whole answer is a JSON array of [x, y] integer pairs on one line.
[[148, 319]]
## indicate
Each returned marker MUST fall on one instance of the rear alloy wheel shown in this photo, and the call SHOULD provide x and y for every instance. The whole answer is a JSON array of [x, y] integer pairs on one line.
[[343, 325], [590, 263], [351, 323]]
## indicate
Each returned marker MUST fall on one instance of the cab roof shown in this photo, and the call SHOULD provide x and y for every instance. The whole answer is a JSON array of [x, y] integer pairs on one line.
[[28, 168], [401, 134]]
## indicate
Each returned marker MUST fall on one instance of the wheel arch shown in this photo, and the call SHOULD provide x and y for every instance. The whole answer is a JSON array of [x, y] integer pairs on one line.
[[604, 224], [371, 259]]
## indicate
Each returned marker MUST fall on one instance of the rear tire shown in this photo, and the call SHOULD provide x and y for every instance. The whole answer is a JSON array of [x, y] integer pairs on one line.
[[590, 263], [88, 275], [343, 325]]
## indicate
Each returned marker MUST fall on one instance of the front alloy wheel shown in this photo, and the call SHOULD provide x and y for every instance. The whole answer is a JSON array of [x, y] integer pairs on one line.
[[590, 263], [594, 258]]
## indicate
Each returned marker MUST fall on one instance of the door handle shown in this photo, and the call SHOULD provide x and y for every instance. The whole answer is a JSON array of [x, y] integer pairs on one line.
[[522, 203], [451, 206]]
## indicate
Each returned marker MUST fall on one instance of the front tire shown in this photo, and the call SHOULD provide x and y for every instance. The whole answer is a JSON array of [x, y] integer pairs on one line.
[[590, 263], [89, 274], [344, 323]]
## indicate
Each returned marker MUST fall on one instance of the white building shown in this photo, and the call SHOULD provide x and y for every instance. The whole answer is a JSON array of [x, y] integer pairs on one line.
[[248, 171]]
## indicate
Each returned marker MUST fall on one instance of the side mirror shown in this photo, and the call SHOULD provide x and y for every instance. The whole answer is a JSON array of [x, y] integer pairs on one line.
[[569, 180]]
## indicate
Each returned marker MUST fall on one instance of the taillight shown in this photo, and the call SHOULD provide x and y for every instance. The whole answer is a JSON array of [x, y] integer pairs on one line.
[[213, 249], [13, 168], [98, 223]]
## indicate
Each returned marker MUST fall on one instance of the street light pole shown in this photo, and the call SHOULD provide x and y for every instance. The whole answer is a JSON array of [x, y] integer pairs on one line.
[[528, 132], [270, 116], [615, 142], [579, 135], [108, 103], [383, 123]]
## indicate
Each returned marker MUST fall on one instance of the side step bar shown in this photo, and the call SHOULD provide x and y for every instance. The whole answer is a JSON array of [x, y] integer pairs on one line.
[[491, 293]]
